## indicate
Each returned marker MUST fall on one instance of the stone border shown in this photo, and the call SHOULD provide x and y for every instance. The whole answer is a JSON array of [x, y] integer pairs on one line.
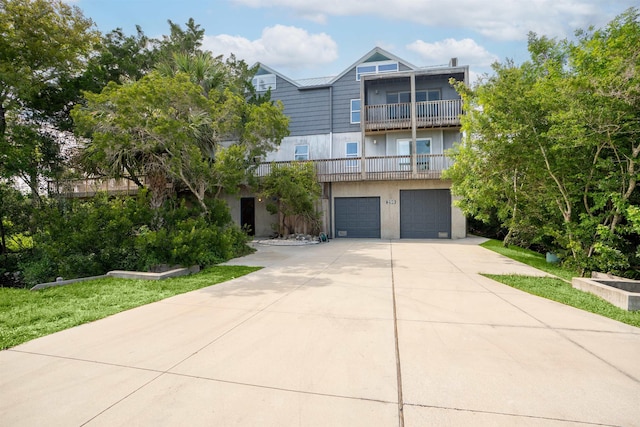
[[629, 301], [65, 282], [286, 242], [122, 274]]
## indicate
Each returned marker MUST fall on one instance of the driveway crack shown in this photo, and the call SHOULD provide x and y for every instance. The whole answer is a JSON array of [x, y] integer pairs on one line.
[[395, 335]]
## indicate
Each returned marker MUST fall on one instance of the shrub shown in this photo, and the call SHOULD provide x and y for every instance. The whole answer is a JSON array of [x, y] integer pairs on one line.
[[87, 238]]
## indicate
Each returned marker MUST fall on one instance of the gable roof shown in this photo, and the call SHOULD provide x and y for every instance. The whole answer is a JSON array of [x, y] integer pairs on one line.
[[374, 55]]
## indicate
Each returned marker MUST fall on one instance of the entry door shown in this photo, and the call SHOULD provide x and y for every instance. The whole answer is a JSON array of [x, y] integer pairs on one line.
[[404, 154], [423, 151], [248, 214]]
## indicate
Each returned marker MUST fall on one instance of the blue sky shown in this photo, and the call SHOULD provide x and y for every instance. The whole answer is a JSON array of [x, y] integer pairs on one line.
[[307, 38]]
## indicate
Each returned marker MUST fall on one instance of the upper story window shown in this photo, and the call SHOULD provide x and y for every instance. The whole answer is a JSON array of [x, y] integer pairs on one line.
[[264, 82], [405, 97], [301, 152], [355, 111], [376, 68]]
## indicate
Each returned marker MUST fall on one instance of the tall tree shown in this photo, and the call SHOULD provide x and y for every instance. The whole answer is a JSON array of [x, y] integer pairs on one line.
[[552, 145], [149, 128], [193, 120], [42, 42]]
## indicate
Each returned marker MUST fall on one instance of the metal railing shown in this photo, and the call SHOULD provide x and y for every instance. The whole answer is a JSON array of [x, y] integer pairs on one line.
[[398, 116]]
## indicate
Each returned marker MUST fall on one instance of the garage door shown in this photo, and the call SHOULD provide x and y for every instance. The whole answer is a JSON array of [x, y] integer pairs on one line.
[[425, 214], [357, 216]]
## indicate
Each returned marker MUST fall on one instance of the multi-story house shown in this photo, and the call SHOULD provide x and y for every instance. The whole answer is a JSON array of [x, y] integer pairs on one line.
[[377, 134]]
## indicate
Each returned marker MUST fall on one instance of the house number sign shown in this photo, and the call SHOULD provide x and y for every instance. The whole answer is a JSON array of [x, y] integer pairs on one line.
[[391, 202]]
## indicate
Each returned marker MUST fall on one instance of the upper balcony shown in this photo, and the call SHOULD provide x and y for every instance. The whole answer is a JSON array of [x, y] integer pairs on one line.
[[429, 114], [407, 100]]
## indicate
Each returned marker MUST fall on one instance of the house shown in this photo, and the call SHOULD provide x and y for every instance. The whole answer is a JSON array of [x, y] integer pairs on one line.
[[377, 135]]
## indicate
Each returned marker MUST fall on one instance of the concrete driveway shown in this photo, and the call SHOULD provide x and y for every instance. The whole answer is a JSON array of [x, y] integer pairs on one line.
[[347, 333]]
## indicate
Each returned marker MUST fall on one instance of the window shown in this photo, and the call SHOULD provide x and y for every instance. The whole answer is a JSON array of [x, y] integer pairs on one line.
[[351, 151], [423, 154], [405, 97], [355, 111], [301, 152], [427, 95], [398, 97], [376, 68], [264, 82], [427, 110]]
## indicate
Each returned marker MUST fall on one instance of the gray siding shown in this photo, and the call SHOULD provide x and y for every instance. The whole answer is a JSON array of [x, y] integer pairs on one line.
[[308, 110], [344, 90], [316, 111]]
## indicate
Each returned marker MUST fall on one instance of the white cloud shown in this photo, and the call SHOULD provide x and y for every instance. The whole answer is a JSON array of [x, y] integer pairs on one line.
[[497, 19], [467, 51], [278, 46]]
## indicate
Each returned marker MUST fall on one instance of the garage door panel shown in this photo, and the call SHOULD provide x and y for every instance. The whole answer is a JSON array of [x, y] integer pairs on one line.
[[357, 217], [425, 214]]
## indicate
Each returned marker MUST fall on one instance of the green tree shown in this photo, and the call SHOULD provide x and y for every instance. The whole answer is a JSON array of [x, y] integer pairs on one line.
[[42, 43], [150, 128], [551, 145], [295, 192], [193, 122]]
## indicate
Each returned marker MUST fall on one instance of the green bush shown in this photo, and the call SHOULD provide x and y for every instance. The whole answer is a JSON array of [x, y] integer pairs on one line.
[[192, 241], [87, 238]]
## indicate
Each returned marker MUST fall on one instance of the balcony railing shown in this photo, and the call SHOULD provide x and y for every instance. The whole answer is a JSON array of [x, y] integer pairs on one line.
[[398, 116], [88, 187], [382, 168]]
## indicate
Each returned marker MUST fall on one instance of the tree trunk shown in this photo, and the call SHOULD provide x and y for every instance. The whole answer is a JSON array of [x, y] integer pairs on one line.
[[3, 120], [3, 243]]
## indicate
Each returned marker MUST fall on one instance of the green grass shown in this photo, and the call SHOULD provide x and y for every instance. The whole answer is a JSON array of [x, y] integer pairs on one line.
[[25, 315], [531, 258], [561, 291]]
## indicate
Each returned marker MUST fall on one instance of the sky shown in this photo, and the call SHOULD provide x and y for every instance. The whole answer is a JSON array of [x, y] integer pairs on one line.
[[319, 38]]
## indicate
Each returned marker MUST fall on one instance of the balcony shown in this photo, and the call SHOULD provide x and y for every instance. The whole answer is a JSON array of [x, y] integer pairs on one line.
[[88, 187], [429, 114], [385, 168]]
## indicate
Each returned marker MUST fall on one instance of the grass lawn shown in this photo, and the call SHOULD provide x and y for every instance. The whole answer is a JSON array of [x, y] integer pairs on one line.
[[531, 258], [556, 289], [25, 314]]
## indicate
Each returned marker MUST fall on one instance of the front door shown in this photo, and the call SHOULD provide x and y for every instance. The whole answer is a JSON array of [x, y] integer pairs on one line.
[[248, 215], [423, 151], [404, 154]]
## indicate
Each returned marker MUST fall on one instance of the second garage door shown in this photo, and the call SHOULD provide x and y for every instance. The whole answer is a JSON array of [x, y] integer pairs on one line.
[[425, 214], [357, 217]]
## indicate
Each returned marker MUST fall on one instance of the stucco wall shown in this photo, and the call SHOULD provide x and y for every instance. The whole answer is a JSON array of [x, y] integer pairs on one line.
[[263, 218]]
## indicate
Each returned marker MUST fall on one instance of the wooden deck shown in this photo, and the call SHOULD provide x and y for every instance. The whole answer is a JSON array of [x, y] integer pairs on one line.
[[385, 168], [429, 114]]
